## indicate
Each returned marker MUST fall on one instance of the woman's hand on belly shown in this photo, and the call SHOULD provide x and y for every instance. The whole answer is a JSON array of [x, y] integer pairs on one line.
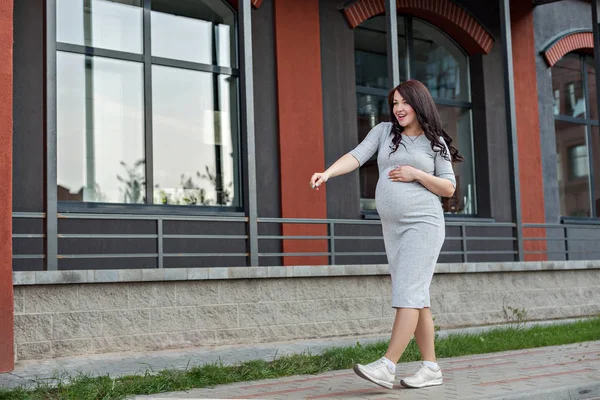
[[404, 173]]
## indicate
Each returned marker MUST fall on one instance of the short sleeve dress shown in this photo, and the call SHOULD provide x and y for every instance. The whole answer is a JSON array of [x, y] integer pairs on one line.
[[411, 216]]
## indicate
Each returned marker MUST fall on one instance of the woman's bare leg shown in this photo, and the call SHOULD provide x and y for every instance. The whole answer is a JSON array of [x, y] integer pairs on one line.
[[403, 330], [425, 335]]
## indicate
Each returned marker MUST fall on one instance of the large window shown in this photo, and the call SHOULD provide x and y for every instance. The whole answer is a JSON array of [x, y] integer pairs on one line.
[[147, 97], [428, 55], [577, 137]]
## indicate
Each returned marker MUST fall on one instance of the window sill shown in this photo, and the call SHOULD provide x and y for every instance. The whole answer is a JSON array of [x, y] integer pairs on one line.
[[153, 209], [579, 221]]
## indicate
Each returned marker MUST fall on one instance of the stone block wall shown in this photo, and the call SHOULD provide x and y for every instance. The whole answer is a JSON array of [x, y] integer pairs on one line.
[[63, 319]]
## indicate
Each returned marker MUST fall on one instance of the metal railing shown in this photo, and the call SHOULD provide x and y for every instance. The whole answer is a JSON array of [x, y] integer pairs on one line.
[[560, 245], [334, 238], [497, 242]]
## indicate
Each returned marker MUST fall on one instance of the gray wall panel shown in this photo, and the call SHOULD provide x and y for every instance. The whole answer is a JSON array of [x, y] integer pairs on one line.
[[480, 135], [28, 106], [339, 107], [266, 126], [265, 109], [497, 136]]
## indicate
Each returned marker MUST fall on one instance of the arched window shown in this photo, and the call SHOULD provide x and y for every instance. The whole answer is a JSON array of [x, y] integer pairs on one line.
[[430, 56], [147, 102], [577, 135]]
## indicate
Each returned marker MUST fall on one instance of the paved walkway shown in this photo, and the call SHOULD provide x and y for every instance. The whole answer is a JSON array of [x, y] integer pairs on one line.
[[26, 373], [547, 373], [561, 372]]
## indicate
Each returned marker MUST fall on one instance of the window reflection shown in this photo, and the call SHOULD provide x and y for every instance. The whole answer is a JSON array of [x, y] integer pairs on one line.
[[192, 119], [106, 24], [439, 63], [102, 109], [100, 129], [571, 149], [457, 123], [370, 53], [591, 72], [567, 87], [578, 162], [197, 31], [371, 111]]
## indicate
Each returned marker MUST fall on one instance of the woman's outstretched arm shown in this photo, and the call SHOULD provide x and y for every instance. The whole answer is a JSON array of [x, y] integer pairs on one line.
[[345, 164]]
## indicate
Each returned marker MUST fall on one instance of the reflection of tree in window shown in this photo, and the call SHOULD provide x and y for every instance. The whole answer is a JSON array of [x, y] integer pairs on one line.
[[134, 186], [191, 193]]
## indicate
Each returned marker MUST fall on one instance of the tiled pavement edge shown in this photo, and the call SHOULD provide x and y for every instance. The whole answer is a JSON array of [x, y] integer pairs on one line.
[[560, 372]]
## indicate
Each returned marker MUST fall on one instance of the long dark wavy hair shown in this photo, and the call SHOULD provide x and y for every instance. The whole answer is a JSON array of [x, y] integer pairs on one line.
[[419, 98]]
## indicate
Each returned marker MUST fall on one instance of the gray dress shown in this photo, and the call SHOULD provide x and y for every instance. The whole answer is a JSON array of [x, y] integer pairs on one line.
[[411, 216]]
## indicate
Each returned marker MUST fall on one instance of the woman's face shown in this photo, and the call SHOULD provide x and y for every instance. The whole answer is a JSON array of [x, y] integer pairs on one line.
[[403, 112]]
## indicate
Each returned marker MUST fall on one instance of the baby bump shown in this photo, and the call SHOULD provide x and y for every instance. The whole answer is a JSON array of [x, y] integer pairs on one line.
[[405, 200]]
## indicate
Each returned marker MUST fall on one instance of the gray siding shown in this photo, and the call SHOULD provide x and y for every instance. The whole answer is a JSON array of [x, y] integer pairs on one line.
[[339, 107], [28, 106]]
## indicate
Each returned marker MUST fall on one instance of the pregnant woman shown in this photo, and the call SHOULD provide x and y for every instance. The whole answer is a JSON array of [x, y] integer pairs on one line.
[[414, 156]]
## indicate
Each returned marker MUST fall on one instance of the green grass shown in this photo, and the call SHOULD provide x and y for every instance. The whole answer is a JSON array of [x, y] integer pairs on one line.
[[501, 339]]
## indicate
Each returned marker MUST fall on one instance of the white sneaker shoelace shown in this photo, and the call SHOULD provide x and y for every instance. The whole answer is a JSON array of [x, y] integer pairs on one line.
[[378, 364]]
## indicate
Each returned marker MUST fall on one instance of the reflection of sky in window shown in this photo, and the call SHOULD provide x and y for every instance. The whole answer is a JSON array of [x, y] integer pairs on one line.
[[183, 124], [117, 122], [114, 26], [184, 120], [223, 45], [181, 38]]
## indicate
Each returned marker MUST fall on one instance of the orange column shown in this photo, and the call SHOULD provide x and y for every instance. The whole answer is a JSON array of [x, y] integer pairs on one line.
[[528, 125], [6, 131], [300, 103]]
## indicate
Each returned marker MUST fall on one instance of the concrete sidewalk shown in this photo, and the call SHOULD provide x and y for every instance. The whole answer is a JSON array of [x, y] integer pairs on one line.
[[561, 372]]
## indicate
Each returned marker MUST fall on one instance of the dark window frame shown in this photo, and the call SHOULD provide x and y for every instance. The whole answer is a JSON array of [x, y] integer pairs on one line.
[[147, 60]]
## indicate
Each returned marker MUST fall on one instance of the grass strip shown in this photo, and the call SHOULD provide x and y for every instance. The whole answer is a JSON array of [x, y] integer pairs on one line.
[[83, 387]]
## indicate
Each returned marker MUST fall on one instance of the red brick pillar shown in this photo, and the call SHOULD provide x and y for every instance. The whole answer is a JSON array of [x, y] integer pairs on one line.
[[300, 104], [6, 131], [528, 125]]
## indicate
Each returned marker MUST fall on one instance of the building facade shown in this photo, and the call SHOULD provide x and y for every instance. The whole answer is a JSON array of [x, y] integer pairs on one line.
[[154, 134]]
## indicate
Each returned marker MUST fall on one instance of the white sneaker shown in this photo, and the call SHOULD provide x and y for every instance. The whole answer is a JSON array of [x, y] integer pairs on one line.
[[425, 376], [377, 372]]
